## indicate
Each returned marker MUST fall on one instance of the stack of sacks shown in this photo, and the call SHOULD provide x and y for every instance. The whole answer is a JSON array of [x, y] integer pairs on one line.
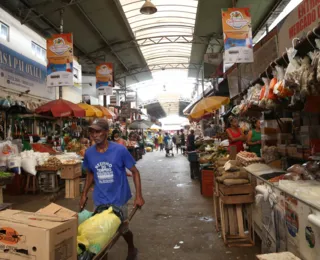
[[232, 174]]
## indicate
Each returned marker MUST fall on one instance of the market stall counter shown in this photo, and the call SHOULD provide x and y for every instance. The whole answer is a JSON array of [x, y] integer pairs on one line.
[[286, 212]]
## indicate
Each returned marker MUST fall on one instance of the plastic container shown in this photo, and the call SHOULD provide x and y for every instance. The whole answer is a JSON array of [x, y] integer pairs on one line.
[[207, 183]]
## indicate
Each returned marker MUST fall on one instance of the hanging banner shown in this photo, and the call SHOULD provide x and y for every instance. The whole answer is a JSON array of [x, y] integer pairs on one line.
[[237, 34], [60, 60], [104, 78]]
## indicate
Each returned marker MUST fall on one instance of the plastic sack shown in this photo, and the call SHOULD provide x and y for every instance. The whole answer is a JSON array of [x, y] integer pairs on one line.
[[14, 164], [83, 216], [98, 230], [3, 161], [29, 165]]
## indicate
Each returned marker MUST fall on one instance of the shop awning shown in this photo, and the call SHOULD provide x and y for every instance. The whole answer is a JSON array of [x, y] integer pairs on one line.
[[206, 106], [61, 108], [106, 112], [91, 111]]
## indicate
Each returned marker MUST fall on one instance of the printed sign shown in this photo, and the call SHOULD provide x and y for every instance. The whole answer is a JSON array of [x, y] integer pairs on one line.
[[237, 34], [23, 74], [104, 78], [292, 220], [298, 23], [60, 60], [125, 109]]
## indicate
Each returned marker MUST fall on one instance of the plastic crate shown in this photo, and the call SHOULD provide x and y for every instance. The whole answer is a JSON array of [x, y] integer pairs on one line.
[[192, 156]]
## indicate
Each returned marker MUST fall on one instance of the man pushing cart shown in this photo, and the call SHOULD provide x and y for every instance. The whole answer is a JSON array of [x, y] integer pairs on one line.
[[106, 163]]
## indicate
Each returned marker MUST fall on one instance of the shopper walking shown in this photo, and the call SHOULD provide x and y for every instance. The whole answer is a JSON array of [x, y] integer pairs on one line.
[[235, 134], [106, 163], [177, 138], [254, 138], [160, 139]]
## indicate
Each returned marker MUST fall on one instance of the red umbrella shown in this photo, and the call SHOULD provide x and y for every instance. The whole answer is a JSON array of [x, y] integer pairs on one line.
[[61, 108]]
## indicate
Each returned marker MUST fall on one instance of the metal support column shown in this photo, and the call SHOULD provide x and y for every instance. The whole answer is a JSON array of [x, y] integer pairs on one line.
[[125, 88], [202, 82], [61, 31]]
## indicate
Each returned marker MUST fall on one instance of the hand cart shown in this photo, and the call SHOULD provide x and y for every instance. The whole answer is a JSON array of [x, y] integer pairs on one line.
[[103, 255]]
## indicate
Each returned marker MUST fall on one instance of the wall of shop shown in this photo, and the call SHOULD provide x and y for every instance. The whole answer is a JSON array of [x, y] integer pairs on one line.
[[22, 58]]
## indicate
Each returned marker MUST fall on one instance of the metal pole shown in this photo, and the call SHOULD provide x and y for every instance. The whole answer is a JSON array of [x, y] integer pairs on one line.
[[61, 31], [125, 88], [239, 78], [136, 98], [203, 79], [105, 100]]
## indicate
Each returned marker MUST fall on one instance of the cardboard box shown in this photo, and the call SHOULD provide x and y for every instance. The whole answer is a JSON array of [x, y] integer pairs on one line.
[[34, 236], [57, 210], [72, 188], [71, 172]]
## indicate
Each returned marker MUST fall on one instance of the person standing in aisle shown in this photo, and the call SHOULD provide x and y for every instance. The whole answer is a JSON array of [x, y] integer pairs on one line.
[[235, 134], [156, 141], [106, 163], [191, 141], [254, 138], [182, 142], [177, 138], [115, 137], [160, 139]]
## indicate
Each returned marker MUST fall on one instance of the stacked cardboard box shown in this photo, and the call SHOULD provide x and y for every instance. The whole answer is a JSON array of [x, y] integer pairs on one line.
[[48, 234]]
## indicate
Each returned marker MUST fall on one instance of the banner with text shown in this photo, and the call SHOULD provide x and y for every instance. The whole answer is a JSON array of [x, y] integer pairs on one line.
[[20, 73], [237, 35], [298, 23], [104, 78], [60, 60]]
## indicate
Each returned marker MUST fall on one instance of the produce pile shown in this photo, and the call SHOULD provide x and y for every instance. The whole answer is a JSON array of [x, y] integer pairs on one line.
[[4, 175], [52, 162], [43, 148], [217, 153], [247, 158], [232, 174], [5, 178]]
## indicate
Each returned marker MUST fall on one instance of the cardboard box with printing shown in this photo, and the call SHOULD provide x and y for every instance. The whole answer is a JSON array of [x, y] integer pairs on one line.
[[49, 235]]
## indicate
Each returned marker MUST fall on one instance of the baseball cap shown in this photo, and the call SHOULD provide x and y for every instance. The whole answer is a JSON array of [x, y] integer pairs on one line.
[[100, 124]]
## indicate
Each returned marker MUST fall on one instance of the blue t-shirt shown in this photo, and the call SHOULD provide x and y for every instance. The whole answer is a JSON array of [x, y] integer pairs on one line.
[[109, 170]]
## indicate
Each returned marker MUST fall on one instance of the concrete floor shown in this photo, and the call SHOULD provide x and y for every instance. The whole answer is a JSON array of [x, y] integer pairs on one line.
[[175, 214]]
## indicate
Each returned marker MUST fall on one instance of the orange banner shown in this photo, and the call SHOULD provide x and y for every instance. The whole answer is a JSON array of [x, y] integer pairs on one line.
[[60, 60], [237, 34]]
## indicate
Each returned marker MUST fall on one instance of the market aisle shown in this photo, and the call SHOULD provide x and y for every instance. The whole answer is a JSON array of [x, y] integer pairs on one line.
[[174, 211]]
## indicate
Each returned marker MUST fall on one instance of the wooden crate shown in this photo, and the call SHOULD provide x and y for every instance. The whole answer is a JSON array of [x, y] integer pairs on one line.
[[216, 208], [232, 225], [235, 189], [72, 188], [71, 171]]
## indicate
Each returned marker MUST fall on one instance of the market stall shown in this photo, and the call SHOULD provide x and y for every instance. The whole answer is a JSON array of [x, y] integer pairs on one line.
[[284, 181]]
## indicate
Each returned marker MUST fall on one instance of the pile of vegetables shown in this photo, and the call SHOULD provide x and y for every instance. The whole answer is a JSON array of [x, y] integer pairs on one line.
[[5, 175]]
